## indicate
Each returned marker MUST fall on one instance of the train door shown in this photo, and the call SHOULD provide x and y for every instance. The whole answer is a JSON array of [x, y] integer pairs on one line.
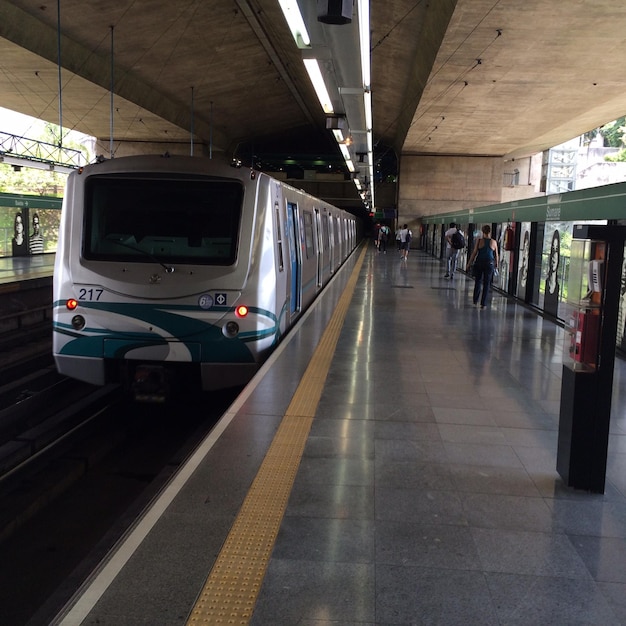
[[337, 242], [342, 238], [317, 227], [325, 244], [295, 257], [331, 249]]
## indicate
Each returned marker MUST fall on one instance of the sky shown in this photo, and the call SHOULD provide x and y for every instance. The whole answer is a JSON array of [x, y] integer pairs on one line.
[[18, 124], [15, 123]]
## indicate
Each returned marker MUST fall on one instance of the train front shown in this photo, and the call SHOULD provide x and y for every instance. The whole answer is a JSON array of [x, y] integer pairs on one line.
[[152, 262]]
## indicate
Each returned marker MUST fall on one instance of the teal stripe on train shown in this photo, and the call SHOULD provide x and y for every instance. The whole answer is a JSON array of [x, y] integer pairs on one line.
[[204, 341]]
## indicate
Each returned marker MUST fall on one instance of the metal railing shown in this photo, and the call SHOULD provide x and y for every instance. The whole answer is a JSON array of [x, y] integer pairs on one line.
[[21, 151]]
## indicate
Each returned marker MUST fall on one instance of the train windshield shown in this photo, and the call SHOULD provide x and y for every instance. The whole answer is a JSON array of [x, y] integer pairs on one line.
[[168, 220]]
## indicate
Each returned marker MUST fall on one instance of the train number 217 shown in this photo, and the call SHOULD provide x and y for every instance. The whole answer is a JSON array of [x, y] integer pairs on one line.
[[89, 294]]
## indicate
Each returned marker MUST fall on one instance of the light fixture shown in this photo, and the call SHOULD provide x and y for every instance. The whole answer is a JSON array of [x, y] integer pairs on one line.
[[292, 14], [315, 74], [334, 11], [367, 104], [364, 40], [336, 121], [338, 125], [17, 163], [363, 7]]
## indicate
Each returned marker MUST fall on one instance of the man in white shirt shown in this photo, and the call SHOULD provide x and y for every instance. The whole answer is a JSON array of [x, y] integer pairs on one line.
[[451, 253], [383, 235]]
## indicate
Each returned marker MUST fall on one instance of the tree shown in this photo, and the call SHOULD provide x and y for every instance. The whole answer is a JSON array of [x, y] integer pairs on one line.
[[613, 133], [23, 179]]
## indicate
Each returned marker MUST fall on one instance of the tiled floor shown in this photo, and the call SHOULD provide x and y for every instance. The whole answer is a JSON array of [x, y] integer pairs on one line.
[[428, 492]]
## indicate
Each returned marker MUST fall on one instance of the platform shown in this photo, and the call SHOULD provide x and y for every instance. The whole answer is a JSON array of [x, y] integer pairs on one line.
[[416, 483], [15, 270]]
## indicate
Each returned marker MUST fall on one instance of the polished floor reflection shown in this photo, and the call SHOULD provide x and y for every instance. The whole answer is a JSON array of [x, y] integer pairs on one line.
[[428, 491]]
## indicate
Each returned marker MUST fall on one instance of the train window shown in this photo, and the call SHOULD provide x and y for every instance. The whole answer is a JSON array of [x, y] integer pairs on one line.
[[182, 220], [279, 238], [308, 234], [325, 234]]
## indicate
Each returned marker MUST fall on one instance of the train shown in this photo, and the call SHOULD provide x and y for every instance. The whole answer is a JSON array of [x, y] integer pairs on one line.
[[175, 270]]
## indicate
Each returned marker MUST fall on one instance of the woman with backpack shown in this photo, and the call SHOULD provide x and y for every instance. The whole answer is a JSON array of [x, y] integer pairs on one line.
[[455, 241], [485, 260], [405, 241]]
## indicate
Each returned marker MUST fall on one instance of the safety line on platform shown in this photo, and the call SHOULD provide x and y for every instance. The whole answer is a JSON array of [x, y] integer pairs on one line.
[[230, 592]]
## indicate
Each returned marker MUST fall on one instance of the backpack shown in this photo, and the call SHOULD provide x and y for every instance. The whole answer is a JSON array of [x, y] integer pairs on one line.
[[457, 241]]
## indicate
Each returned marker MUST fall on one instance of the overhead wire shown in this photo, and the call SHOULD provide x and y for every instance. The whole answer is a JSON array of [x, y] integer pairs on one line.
[[460, 82], [193, 3], [434, 75], [42, 111], [400, 21], [444, 64]]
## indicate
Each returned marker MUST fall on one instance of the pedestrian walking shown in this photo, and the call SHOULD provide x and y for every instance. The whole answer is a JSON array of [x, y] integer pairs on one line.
[[452, 251], [484, 259], [383, 235], [405, 241]]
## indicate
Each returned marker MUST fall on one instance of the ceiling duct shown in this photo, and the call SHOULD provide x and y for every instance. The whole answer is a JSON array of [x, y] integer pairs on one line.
[[334, 11]]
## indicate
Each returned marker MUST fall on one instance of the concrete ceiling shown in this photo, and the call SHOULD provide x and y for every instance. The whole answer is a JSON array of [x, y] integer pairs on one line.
[[468, 77]]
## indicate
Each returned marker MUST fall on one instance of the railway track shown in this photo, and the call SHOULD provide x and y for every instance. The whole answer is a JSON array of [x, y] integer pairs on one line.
[[43, 420], [43, 416], [78, 463], [61, 519]]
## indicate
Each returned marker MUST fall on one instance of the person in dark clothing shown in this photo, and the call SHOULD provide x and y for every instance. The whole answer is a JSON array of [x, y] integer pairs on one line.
[[485, 260]]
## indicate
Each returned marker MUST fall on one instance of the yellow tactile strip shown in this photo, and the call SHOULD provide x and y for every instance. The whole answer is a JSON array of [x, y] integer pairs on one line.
[[230, 592]]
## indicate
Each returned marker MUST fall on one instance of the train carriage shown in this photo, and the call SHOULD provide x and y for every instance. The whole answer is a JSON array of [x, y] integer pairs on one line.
[[183, 268]]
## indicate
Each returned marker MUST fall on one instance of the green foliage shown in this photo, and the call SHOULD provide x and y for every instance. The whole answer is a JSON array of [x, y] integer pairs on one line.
[[613, 133], [617, 158], [33, 181]]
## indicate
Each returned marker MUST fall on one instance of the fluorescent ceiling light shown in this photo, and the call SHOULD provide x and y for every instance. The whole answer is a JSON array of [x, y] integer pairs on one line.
[[315, 74], [364, 44], [350, 165], [364, 40], [338, 132], [292, 14], [367, 103], [344, 151]]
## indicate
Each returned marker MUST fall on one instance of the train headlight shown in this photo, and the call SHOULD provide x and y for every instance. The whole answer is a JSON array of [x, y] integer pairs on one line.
[[71, 304], [241, 310], [231, 329], [78, 322]]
